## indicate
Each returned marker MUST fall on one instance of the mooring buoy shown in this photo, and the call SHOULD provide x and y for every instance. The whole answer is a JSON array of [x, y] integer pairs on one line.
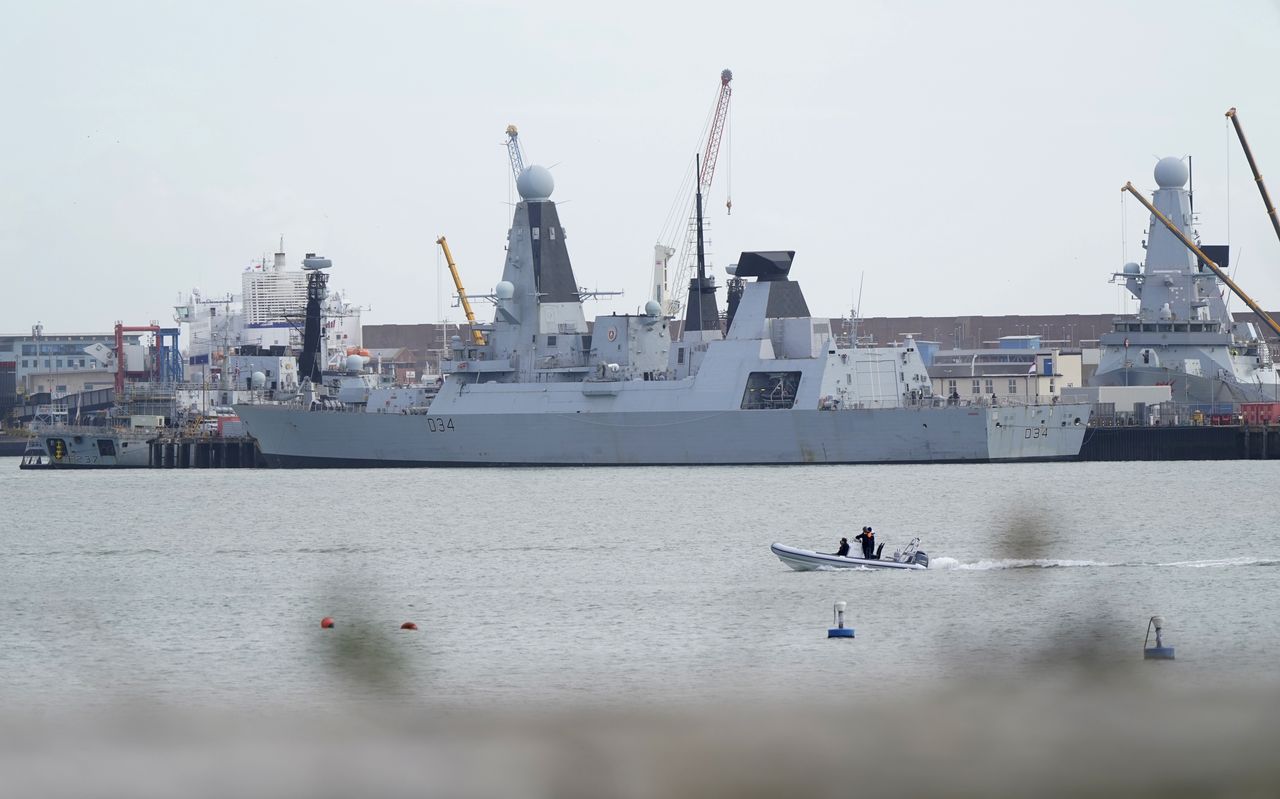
[[837, 618], [1159, 651]]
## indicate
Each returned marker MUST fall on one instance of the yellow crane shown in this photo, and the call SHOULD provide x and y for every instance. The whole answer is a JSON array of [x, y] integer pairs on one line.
[[1253, 165], [1191, 245], [476, 335]]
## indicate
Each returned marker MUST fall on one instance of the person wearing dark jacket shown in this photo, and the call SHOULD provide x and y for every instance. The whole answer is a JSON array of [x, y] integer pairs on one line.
[[844, 547], [868, 539]]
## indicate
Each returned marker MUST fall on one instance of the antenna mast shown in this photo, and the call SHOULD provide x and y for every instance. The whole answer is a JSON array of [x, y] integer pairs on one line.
[[705, 172]]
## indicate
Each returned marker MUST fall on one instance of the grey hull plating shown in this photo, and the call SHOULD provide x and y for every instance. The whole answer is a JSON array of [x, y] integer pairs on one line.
[[295, 437]]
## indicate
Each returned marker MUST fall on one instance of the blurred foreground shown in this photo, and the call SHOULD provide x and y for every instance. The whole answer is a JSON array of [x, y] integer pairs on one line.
[[1064, 735]]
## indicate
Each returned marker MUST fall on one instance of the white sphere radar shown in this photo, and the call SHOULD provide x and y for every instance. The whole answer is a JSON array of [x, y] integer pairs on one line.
[[1171, 173], [505, 290], [535, 183]]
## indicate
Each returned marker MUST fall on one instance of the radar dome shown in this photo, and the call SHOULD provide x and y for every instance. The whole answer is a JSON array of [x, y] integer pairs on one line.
[[258, 380], [535, 183], [355, 363], [652, 308], [1171, 173], [1131, 268], [505, 290]]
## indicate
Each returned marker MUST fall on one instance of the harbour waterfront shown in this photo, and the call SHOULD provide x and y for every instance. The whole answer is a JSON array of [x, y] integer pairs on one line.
[[547, 587]]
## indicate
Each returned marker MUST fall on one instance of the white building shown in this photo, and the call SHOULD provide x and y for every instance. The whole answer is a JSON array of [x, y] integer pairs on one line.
[[1018, 370]]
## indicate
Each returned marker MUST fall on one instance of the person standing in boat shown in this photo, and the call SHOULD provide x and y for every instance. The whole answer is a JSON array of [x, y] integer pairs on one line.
[[868, 539], [843, 551]]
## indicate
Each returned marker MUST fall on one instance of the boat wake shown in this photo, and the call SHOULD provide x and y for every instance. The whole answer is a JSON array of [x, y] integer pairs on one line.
[[952, 564]]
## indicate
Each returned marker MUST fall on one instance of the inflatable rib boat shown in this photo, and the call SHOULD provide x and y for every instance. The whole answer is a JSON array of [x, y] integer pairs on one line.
[[909, 557]]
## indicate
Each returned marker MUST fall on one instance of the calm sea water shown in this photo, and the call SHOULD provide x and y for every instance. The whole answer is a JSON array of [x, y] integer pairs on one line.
[[562, 585]]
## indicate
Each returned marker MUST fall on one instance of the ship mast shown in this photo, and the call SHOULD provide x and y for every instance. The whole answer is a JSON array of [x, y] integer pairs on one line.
[[666, 292], [1217, 270]]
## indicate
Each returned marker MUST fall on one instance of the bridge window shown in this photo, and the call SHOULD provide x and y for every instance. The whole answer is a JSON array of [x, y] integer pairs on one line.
[[770, 390]]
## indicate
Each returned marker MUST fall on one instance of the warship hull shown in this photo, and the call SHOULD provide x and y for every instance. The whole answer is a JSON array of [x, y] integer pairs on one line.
[[1189, 389], [294, 437]]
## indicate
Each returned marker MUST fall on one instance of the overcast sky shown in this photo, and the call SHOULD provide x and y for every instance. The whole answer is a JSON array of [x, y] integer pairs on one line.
[[965, 157]]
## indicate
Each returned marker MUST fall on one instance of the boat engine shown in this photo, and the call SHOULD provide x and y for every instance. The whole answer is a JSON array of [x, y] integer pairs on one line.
[[911, 553]]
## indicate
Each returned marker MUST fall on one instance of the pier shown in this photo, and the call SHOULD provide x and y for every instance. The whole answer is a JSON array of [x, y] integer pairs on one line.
[[1181, 443], [214, 452]]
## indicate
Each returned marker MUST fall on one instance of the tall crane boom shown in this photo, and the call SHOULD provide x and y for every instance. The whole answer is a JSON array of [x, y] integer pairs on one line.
[[1253, 165], [712, 152], [514, 152], [670, 293]]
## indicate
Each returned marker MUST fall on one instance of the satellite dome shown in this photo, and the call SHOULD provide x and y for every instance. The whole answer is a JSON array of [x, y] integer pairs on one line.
[[652, 308], [355, 363], [535, 183], [1131, 268], [505, 290], [258, 380], [1171, 173]]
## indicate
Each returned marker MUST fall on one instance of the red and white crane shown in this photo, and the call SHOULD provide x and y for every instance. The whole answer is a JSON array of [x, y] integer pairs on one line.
[[670, 293]]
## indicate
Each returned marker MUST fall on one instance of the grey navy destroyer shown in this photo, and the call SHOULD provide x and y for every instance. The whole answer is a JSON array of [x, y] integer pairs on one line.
[[1182, 335], [772, 386]]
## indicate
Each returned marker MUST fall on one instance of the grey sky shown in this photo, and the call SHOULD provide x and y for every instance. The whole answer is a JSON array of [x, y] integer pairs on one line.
[[966, 157]]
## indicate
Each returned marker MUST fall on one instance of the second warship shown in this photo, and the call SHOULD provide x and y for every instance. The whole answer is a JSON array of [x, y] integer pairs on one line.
[[1182, 335]]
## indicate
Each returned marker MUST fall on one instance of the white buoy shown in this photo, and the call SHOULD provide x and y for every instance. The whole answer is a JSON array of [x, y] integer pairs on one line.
[[1159, 651], [837, 618]]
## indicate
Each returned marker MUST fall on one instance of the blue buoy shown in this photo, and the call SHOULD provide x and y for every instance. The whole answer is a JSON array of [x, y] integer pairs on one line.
[[1159, 651], [837, 616]]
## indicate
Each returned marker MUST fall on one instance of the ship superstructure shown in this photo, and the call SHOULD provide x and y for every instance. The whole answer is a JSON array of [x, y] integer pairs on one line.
[[547, 388], [1183, 335], [266, 314]]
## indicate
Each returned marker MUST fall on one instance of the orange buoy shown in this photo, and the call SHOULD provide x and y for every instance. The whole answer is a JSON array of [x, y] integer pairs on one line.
[[408, 625], [326, 623]]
